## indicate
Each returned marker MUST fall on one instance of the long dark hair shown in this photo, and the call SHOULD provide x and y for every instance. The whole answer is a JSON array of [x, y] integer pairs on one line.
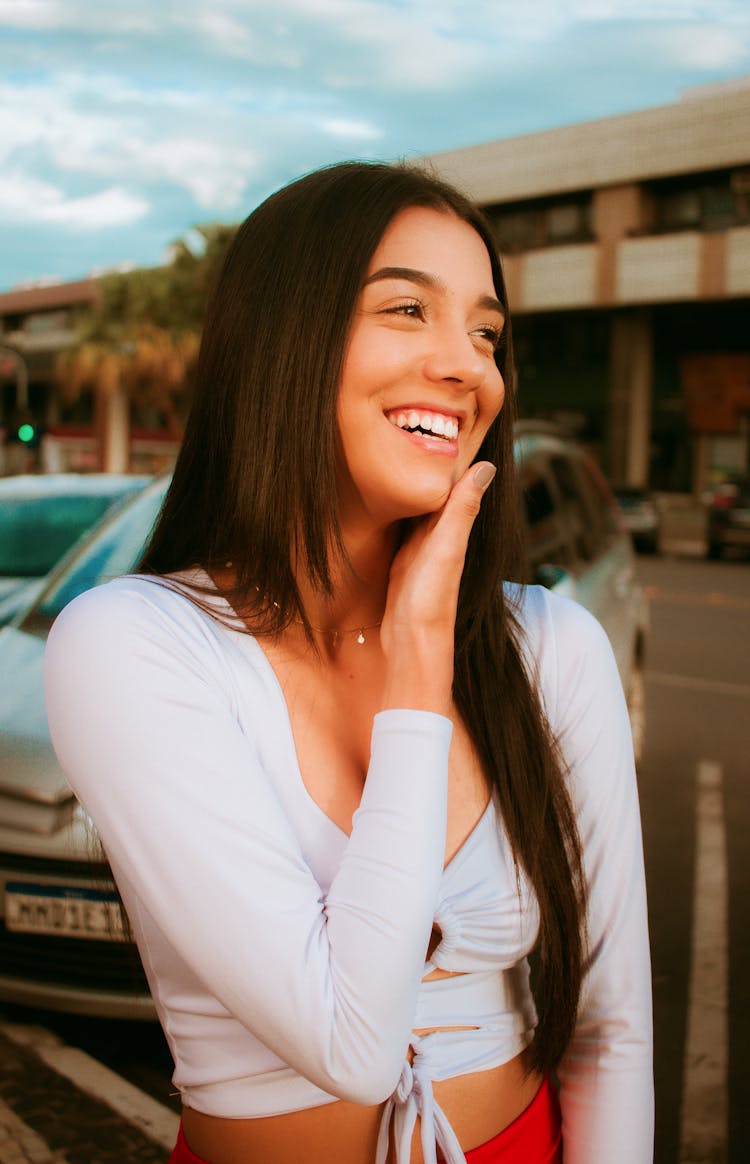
[[254, 484]]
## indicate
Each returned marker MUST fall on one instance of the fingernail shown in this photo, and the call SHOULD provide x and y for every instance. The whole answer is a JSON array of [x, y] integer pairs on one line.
[[483, 475]]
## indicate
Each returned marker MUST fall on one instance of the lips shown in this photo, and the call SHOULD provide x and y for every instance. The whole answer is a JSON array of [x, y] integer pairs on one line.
[[420, 420]]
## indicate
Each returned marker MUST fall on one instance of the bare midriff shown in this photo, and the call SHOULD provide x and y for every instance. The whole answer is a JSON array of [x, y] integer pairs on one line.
[[478, 1105]]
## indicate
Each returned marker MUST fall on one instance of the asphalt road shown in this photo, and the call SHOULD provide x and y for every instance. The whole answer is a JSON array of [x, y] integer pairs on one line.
[[694, 782], [694, 785]]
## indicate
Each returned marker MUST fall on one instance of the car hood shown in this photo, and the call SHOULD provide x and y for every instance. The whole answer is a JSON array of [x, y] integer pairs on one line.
[[35, 798]]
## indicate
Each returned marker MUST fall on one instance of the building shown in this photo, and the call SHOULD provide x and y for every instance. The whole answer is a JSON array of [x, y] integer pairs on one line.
[[626, 245]]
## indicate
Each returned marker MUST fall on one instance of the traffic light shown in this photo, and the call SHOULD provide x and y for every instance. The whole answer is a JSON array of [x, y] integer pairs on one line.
[[25, 431]]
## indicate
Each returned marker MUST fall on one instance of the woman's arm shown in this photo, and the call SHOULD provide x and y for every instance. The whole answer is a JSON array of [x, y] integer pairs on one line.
[[606, 1075], [140, 711]]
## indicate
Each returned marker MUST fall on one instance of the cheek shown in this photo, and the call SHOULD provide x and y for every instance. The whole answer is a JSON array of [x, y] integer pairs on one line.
[[490, 402]]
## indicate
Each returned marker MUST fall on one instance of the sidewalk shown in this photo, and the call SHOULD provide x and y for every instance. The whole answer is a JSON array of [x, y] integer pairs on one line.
[[45, 1118]]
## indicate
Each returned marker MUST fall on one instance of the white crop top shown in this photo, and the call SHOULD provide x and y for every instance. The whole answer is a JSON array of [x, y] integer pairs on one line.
[[286, 959]]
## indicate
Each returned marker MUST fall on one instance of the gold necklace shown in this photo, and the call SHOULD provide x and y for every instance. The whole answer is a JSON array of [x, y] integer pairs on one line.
[[337, 634]]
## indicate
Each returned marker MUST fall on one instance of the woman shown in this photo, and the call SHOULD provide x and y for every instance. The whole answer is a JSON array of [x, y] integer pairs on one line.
[[346, 782]]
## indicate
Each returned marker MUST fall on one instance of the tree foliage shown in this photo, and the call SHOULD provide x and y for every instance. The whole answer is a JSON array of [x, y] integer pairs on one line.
[[143, 333]]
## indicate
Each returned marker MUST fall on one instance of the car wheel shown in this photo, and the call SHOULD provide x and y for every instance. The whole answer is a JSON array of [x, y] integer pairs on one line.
[[713, 550], [637, 709]]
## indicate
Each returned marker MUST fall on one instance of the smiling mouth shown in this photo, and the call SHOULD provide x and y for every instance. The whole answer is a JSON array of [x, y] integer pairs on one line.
[[433, 424]]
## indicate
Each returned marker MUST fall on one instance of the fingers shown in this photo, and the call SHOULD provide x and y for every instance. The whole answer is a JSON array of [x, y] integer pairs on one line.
[[426, 573], [457, 517]]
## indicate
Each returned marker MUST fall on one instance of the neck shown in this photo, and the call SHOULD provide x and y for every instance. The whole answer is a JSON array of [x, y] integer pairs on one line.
[[360, 585]]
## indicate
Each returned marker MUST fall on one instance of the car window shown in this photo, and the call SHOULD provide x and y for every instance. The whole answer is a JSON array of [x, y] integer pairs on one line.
[[546, 535], [575, 508], [605, 508], [35, 532], [114, 548]]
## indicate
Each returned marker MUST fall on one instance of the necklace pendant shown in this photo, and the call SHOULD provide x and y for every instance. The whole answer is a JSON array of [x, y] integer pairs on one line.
[[361, 637]]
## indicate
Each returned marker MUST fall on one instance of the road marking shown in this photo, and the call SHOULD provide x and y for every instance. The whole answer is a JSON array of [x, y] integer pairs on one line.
[[155, 1120], [703, 1124], [712, 598], [694, 683]]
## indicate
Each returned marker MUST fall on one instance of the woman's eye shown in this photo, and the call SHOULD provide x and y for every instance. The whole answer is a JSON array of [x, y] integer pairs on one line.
[[412, 309], [493, 336]]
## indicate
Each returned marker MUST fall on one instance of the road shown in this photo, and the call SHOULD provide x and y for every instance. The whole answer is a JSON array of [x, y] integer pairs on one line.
[[694, 785], [694, 782]]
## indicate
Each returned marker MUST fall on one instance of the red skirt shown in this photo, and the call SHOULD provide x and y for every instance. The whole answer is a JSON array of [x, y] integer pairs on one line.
[[535, 1137]]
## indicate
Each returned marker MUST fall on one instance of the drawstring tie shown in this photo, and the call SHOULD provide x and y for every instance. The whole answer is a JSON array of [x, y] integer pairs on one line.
[[414, 1097]]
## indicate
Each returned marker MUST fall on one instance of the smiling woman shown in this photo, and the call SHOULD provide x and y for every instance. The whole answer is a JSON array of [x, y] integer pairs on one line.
[[349, 785]]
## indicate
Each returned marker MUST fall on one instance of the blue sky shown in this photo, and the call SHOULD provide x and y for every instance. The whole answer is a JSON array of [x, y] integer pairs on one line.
[[124, 125]]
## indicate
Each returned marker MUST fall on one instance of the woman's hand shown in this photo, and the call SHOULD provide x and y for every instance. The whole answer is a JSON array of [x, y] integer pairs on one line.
[[420, 613]]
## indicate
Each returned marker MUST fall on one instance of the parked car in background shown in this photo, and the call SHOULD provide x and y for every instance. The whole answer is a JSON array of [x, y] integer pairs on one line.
[[577, 544], [728, 516], [41, 517], [62, 944], [640, 517]]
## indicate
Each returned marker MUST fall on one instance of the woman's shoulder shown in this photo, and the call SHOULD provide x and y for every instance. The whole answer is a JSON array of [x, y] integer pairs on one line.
[[565, 647], [549, 619], [147, 616], [128, 602]]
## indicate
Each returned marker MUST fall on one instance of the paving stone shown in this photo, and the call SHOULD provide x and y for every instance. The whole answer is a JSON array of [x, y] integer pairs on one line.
[[45, 1119]]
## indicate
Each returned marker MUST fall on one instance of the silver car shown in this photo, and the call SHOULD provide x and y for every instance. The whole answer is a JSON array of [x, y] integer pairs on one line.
[[62, 944]]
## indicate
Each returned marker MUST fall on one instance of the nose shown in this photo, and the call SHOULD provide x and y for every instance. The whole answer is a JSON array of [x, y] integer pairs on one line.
[[454, 357]]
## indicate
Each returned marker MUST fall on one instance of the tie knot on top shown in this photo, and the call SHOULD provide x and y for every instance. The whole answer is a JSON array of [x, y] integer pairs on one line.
[[405, 1085]]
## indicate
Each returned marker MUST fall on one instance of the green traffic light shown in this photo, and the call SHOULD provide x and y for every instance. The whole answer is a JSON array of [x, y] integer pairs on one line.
[[25, 433]]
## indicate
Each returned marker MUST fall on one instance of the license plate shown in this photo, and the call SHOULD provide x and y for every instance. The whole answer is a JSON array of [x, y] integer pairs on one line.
[[63, 911]]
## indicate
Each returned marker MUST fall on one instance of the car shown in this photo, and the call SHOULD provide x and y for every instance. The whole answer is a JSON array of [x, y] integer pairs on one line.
[[640, 516], [62, 942], [577, 544], [41, 517], [728, 516]]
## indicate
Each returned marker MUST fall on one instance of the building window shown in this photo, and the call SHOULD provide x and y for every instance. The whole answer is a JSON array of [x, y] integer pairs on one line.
[[702, 202], [545, 223]]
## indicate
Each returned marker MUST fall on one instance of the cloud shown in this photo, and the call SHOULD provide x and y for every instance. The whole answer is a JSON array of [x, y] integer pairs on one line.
[[31, 13], [24, 199], [158, 116], [704, 47], [125, 136], [351, 129]]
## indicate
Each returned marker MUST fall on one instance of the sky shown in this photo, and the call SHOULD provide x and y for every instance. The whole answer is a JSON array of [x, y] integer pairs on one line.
[[125, 125]]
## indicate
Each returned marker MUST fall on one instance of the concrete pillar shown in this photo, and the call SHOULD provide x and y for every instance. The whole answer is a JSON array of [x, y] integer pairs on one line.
[[116, 431], [630, 388]]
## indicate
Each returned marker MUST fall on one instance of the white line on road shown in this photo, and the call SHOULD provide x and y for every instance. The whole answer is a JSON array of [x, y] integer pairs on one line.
[[694, 683], [703, 1125], [155, 1120]]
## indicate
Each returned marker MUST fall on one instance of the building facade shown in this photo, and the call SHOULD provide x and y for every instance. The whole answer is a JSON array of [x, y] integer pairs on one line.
[[626, 247]]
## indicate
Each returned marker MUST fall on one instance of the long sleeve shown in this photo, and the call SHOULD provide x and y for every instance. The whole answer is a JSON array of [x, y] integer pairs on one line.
[[141, 714], [606, 1075]]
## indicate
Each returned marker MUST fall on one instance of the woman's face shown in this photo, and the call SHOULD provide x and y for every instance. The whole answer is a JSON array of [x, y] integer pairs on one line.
[[420, 386]]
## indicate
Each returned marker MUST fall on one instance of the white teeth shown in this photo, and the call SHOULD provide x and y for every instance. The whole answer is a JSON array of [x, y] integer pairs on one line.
[[434, 422]]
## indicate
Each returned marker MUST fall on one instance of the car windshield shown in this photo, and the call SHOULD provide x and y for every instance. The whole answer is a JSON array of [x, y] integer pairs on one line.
[[35, 532], [113, 548]]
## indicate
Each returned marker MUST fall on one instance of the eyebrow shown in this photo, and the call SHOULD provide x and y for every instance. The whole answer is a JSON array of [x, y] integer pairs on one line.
[[425, 279]]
